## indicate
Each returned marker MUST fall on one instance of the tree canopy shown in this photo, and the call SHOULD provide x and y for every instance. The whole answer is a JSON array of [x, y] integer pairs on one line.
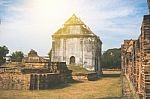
[[32, 53], [112, 58], [3, 52], [50, 54], [17, 56]]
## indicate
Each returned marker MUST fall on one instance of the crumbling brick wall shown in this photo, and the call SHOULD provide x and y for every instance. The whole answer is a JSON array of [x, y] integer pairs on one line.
[[136, 60], [14, 80], [34, 78]]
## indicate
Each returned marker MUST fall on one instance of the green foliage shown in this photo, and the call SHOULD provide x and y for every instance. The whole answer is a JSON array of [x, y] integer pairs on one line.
[[112, 59], [49, 54], [17, 56], [32, 53], [3, 52], [77, 69]]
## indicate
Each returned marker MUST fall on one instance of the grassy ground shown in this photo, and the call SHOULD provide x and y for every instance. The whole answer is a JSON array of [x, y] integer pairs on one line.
[[77, 69], [108, 87]]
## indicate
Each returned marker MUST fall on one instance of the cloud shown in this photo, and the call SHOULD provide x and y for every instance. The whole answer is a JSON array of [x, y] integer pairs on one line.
[[29, 24]]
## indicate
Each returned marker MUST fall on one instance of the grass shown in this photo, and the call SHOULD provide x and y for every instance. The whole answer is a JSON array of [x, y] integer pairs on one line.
[[128, 85], [77, 69], [109, 87]]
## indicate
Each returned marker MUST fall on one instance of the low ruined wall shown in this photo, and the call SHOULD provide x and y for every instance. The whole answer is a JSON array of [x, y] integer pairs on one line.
[[85, 76], [14, 81], [21, 78], [46, 81], [80, 76], [19, 81]]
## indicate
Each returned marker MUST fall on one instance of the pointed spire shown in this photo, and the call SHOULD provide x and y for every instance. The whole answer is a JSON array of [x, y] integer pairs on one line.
[[73, 15], [71, 24], [74, 20]]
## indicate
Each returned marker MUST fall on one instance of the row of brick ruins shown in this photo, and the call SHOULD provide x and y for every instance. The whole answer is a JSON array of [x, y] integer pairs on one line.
[[40, 74], [136, 61]]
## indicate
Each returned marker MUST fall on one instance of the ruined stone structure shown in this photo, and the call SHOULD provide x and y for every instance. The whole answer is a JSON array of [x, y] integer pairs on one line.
[[33, 78], [85, 76], [136, 61], [12, 78], [35, 62], [75, 43]]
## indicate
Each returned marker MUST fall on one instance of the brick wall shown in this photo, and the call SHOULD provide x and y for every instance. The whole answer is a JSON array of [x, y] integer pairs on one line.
[[10, 80]]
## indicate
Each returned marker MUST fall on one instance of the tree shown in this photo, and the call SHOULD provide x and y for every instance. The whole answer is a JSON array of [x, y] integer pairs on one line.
[[3, 52], [17, 56], [32, 53], [112, 59], [50, 54]]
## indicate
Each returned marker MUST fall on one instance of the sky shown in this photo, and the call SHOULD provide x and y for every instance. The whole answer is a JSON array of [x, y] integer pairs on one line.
[[29, 24]]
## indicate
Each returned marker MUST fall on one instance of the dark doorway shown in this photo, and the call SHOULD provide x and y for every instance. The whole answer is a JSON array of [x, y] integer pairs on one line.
[[72, 60]]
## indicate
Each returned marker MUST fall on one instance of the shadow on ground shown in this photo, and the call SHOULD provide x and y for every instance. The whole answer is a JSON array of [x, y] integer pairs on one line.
[[61, 86], [111, 98], [111, 75]]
